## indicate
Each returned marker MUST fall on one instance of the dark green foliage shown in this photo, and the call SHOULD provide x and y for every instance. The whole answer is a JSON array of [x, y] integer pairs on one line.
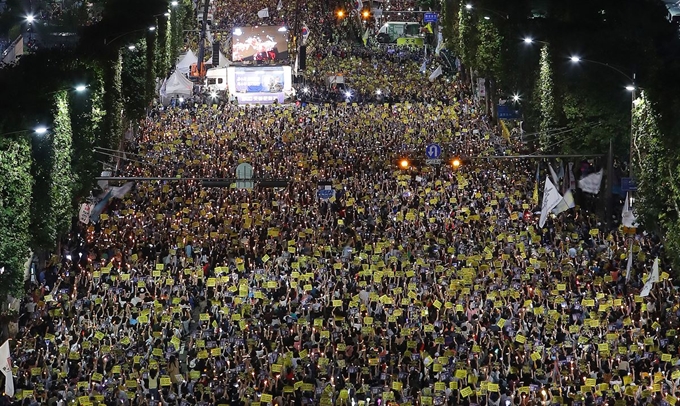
[[61, 192], [113, 103], [134, 76], [15, 201]]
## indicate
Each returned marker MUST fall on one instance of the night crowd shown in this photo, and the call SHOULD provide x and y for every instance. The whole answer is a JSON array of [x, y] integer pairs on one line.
[[366, 278]]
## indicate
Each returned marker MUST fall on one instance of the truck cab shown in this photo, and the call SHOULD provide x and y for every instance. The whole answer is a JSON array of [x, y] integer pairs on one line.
[[393, 30]]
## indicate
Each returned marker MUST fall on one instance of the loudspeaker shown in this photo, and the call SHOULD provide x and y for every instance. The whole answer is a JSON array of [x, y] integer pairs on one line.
[[303, 57], [216, 53]]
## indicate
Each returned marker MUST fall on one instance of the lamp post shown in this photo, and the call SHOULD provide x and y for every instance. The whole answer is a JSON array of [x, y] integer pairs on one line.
[[40, 130], [470, 7], [110, 41], [529, 41], [79, 88], [632, 89]]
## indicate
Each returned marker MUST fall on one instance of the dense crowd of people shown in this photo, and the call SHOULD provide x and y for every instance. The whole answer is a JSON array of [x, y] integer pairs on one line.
[[380, 73], [365, 277]]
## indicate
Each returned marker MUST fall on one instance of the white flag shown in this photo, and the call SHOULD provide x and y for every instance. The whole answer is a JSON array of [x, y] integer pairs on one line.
[[655, 271], [264, 13], [358, 4], [628, 218], [654, 277], [440, 45], [434, 75], [565, 204], [84, 214], [279, 6], [553, 175], [6, 367], [591, 183], [629, 265], [572, 179], [120, 192], [551, 198], [104, 184]]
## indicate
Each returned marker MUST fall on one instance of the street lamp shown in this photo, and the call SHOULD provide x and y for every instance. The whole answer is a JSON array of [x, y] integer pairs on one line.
[[131, 47], [575, 59], [501, 15], [174, 3], [529, 41], [80, 88], [40, 130], [110, 41], [30, 18], [515, 98]]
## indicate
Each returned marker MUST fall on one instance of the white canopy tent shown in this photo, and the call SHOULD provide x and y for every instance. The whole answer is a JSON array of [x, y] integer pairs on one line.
[[177, 85], [224, 62], [185, 62]]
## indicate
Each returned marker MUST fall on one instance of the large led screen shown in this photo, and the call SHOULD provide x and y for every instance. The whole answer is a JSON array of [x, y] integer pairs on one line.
[[259, 44], [259, 84]]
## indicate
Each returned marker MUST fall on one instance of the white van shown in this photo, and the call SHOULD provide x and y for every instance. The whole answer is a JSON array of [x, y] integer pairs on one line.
[[216, 79]]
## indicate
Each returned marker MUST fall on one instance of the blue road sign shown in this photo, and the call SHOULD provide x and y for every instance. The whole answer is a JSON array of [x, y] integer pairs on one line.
[[325, 193], [628, 185], [433, 151], [430, 17], [507, 113]]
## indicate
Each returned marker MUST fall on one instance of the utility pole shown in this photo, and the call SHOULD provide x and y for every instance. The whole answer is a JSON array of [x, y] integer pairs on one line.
[[296, 33], [609, 206], [201, 39]]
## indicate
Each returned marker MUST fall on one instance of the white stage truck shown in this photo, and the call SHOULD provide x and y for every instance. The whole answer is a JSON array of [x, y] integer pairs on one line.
[[260, 84]]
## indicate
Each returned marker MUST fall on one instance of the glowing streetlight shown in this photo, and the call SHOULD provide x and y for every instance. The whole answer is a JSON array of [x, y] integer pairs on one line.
[[515, 97], [455, 163], [80, 88], [40, 130], [30, 18], [468, 6], [630, 88], [174, 3], [152, 28], [340, 14], [528, 40], [404, 164], [487, 18], [575, 59], [131, 47]]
